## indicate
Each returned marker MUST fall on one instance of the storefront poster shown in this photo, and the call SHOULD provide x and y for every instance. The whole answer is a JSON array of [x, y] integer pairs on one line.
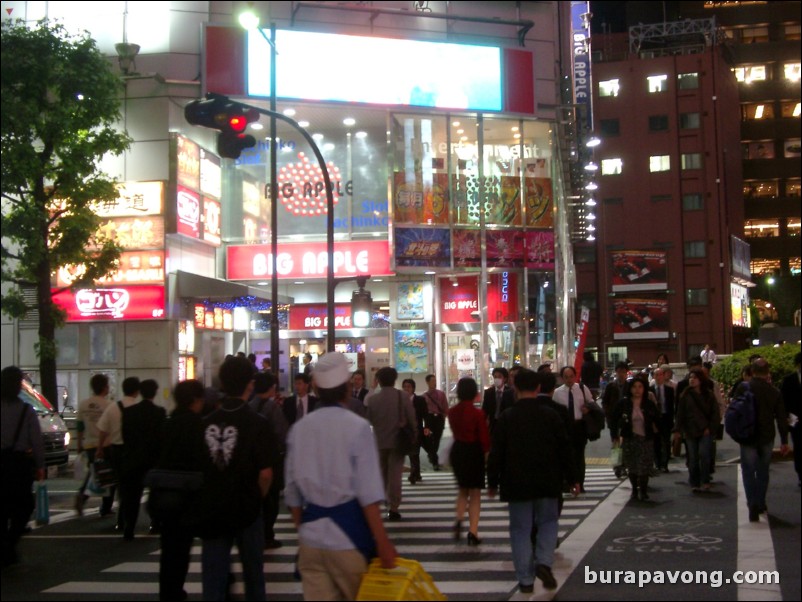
[[411, 349], [467, 248], [504, 201], [410, 301], [212, 214], [539, 202], [188, 212], [505, 248], [638, 270], [135, 233], [418, 201], [460, 303], [636, 319], [422, 247], [540, 250], [133, 267], [188, 163], [739, 302], [502, 297], [133, 199], [211, 174], [465, 359]]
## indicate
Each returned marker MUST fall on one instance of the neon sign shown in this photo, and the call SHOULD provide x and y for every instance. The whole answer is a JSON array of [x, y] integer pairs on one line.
[[302, 187], [112, 303]]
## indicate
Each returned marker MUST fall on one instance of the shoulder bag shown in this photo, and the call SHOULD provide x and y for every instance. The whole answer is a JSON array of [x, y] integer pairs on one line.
[[18, 466], [171, 491], [406, 440]]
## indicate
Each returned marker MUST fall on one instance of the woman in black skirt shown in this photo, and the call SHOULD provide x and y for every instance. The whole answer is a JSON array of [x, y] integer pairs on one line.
[[468, 455], [637, 417]]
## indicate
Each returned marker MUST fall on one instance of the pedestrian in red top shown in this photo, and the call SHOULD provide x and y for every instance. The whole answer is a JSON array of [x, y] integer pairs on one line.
[[468, 456]]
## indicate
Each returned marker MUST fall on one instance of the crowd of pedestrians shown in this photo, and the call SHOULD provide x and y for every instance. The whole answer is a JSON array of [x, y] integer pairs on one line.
[[333, 448]]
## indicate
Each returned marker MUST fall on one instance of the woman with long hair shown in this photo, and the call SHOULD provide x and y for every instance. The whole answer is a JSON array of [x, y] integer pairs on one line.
[[637, 417], [468, 456], [697, 420]]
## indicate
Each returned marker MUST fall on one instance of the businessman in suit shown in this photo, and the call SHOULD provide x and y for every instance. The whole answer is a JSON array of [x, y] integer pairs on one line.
[[497, 398], [664, 395], [792, 393], [299, 405]]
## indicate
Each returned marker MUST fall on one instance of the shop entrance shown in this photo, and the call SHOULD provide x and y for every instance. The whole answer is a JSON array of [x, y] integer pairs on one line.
[[462, 358]]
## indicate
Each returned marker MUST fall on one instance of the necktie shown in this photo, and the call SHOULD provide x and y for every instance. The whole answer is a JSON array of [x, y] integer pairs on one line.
[[660, 398], [300, 413], [571, 404], [498, 402]]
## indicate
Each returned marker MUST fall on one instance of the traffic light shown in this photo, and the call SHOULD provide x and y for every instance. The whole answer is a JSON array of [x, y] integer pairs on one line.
[[229, 118], [361, 305]]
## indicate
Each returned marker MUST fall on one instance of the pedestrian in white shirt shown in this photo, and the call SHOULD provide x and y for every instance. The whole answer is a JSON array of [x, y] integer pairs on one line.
[[574, 395]]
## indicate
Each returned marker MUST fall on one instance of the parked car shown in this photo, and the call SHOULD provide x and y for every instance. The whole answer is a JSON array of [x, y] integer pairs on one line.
[[55, 435]]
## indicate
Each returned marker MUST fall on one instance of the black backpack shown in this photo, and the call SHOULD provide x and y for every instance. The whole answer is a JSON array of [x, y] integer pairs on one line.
[[740, 419]]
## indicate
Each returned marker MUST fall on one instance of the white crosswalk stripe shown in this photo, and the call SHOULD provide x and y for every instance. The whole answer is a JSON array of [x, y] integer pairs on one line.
[[425, 533]]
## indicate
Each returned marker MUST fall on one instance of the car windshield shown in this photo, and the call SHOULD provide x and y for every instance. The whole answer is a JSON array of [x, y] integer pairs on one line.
[[39, 403]]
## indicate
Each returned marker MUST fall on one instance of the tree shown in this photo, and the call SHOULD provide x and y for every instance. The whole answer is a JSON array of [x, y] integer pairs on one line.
[[60, 109]]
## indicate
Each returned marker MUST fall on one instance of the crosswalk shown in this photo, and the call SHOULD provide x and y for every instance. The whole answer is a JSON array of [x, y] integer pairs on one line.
[[484, 572]]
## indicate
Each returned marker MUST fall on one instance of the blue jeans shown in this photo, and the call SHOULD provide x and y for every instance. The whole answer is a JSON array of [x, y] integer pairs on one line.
[[755, 461], [544, 513], [699, 452], [216, 561]]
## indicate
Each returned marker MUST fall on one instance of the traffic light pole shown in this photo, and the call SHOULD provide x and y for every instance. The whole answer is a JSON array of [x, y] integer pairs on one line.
[[330, 283], [275, 353]]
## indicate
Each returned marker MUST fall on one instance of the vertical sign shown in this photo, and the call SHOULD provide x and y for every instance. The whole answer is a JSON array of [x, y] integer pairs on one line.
[[580, 65]]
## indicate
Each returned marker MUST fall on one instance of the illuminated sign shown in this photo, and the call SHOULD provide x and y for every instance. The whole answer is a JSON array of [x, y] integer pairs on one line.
[[135, 233], [639, 270], [187, 163], [739, 302], [502, 297], [112, 303], [187, 212], [186, 336], [214, 318], [134, 199], [252, 198], [134, 267], [212, 212], [425, 74], [302, 188], [314, 317], [580, 66], [640, 319], [459, 303], [211, 175], [309, 260]]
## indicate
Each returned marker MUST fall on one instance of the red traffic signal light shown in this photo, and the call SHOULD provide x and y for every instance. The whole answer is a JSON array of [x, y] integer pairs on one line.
[[229, 118]]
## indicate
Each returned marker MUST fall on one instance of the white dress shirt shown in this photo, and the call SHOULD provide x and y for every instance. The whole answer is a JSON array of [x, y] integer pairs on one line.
[[581, 395]]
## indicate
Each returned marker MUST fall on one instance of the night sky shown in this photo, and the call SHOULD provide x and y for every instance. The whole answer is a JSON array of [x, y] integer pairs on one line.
[[618, 15]]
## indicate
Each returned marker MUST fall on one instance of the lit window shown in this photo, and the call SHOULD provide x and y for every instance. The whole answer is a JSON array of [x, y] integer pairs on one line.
[[657, 83], [611, 167], [794, 227], [752, 35], [791, 71], [764, 266], [688, 81], [760, 149], [609, 88], [792, 148], [689, 121], [792, 32], [695, 249], [749, 74], [760, 228], [659, 163], [789, 109], [754, 189], [792, 188], [757, 110], [691, 161]]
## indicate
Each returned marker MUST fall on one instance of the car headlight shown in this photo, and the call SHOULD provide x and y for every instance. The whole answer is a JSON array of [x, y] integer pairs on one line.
[[67, 439]]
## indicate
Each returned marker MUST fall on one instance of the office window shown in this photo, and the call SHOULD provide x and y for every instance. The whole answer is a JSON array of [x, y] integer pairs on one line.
[[789, 109], [692, 202], [792, 32], [792, 148], [660, 198], [695, 249], [609, 88], [658, 123], [751, 73], [758, 149], [688, 81], [791, 71], [611, 167], [757, 110], [753, 35], [764, 266], [794, 227], [691, 161], [609, 127], [762, 228], [657, 83], [792, 188], [755, 189], [689, 121], [696, 296], [659, 163]]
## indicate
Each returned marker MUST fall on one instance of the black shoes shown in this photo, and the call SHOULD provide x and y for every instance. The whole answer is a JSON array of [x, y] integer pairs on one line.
[[754, 514], [393, 516], [273, 544], [526, 589], [473, 540], [414, 479], [543, 573], [458, 530]]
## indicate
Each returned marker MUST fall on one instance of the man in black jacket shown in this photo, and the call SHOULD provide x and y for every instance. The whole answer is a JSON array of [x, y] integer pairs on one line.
[[664, 396], [529, 459], [792, 396], [299, 405]]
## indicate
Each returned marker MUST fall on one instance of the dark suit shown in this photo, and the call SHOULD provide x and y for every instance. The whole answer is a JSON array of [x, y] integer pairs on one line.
[[665, 423], [792, 397], [489, 404], [290, 407]]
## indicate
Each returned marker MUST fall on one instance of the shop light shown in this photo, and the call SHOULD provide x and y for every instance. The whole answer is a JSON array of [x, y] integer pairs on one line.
[[590, 237], [590, 216], [593, 142], [349, 121], [591, 166], [591, 186], [591, 202]]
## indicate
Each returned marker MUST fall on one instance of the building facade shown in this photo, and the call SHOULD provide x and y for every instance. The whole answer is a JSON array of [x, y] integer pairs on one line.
[[437, 124]]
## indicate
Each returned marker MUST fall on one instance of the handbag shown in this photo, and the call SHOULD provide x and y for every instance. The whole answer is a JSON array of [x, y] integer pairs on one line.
[[172, 492], [80, 468], [92, 486], [406, 440], [42, 504], [676, 447], [616, 457], [104, 473]]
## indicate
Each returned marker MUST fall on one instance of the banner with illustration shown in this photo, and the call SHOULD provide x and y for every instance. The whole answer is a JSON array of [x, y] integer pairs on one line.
[[540, 249], [422, 247], [420, 201], [410, 301], [467, 248], [539, 198], [636, 319], [411, 350], [638, 270], [505, 248]]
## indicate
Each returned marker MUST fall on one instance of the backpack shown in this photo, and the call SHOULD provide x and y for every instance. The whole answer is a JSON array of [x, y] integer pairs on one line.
[[740, 419]]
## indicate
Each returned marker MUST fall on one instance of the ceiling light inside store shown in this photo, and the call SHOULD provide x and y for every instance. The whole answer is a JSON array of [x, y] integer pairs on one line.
[[455, 124], [257, 126], [514, 128], [289, 112], [317, 136], [349, 121], [516, 136], [360, 134], [303, 124]]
